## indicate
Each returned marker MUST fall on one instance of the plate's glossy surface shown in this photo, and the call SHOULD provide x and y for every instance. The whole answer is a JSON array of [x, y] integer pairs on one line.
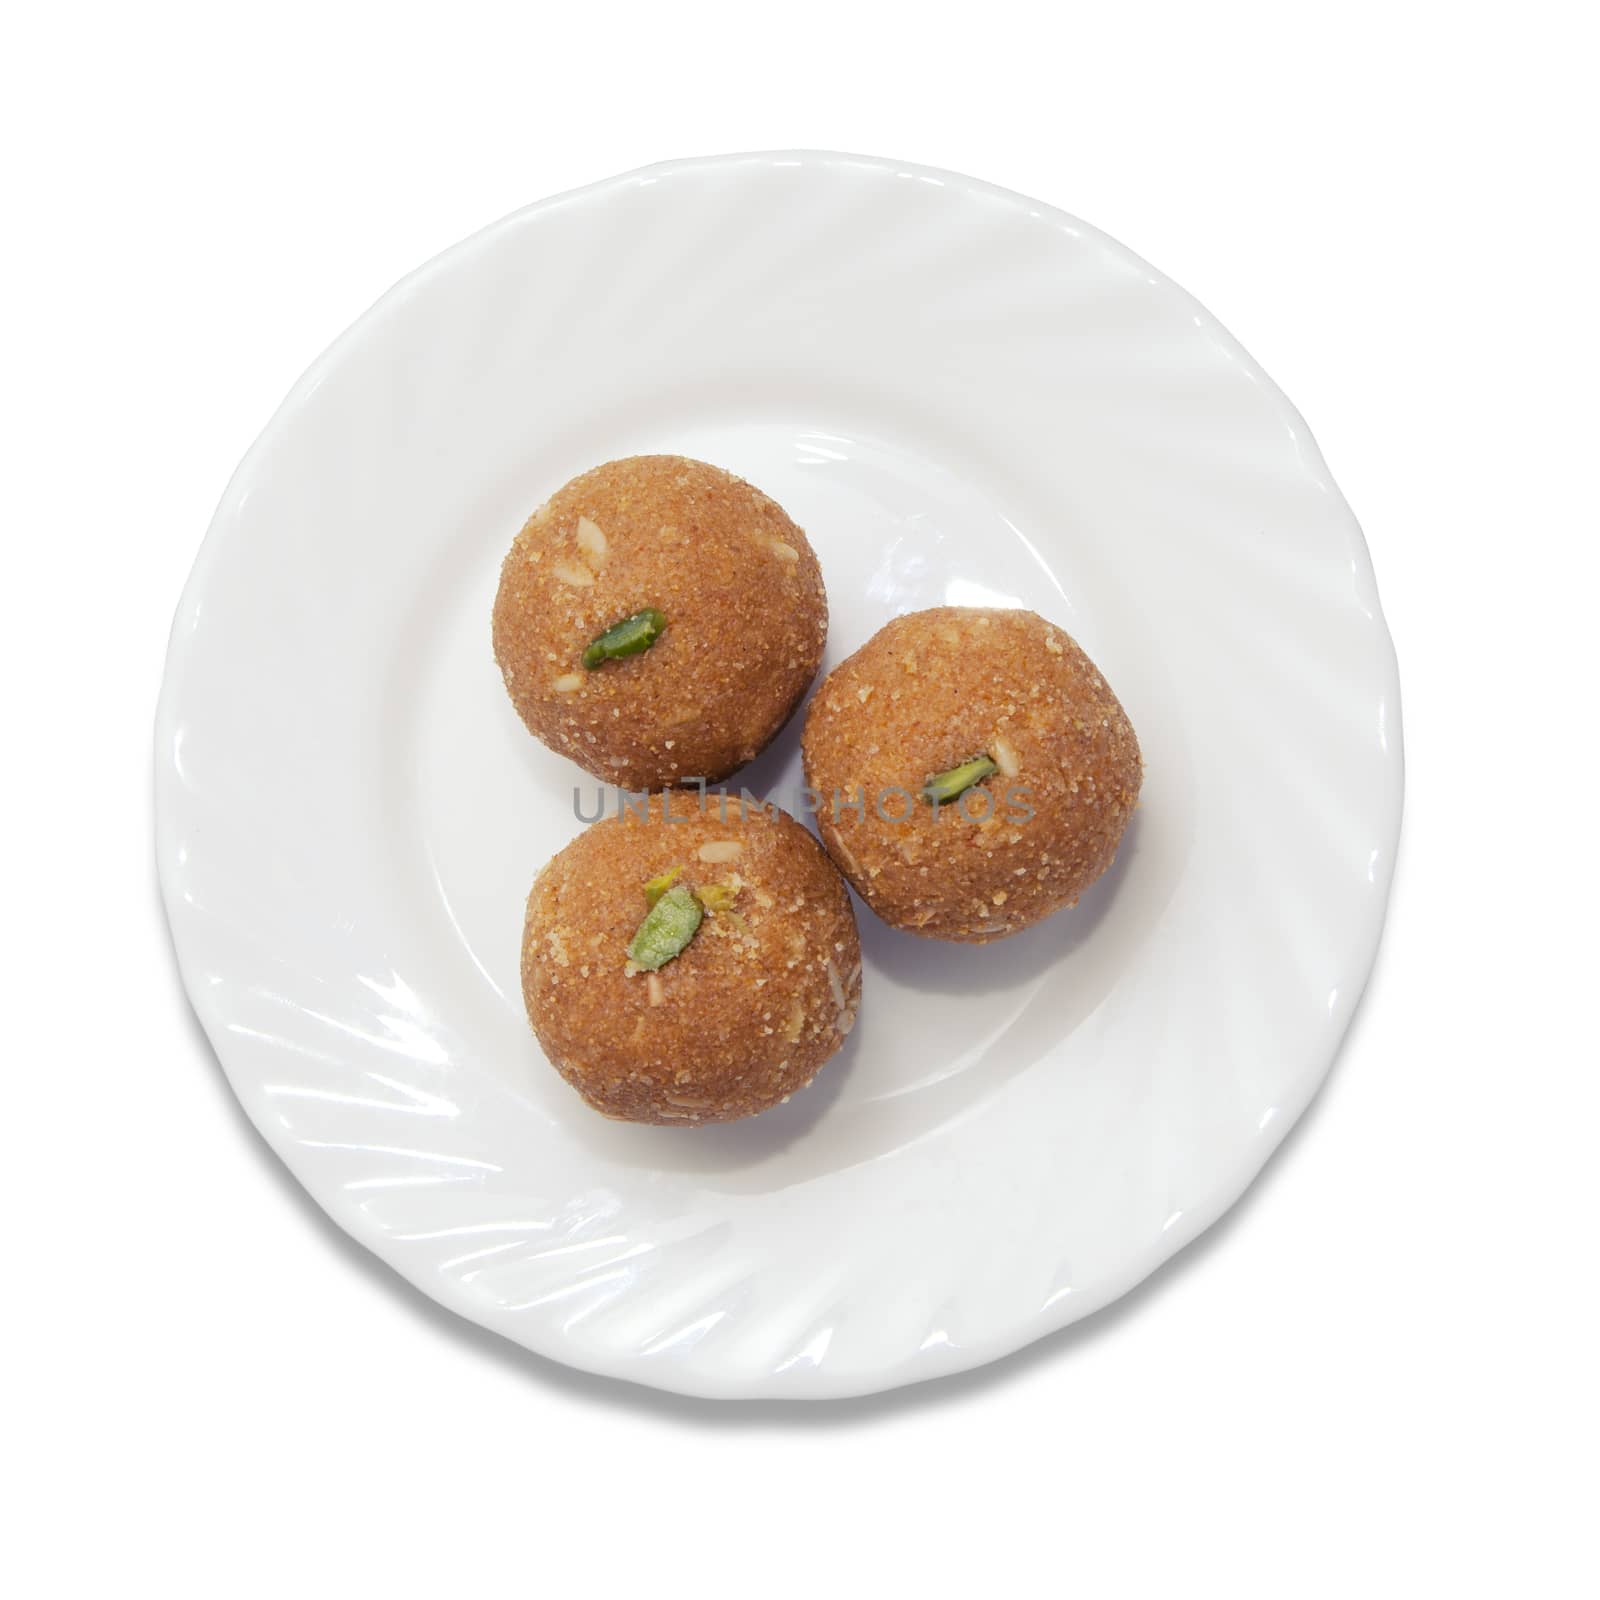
[[964, 397]]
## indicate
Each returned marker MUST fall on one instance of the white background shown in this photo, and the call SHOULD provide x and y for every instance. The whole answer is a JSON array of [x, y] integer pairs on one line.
[[1377, 1376]]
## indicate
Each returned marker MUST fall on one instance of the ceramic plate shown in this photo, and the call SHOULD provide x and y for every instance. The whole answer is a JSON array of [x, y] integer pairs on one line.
[[964, 397]]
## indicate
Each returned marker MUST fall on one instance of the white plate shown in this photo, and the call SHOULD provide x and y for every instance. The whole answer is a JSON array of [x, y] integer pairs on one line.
[[963, 396]]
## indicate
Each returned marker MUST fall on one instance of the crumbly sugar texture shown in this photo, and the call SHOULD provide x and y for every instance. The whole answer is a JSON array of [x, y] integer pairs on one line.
[[931, 691], [761, 996], [746, 620]]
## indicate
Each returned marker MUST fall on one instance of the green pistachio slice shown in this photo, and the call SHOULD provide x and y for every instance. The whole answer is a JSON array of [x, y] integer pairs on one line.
[[943, 787], [657, 887], [668, 927], [626, 638]]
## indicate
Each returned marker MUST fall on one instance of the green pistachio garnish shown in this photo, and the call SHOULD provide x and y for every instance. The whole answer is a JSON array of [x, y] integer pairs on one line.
[[629, 637], [943, 787], [668, 927], [657, 887]]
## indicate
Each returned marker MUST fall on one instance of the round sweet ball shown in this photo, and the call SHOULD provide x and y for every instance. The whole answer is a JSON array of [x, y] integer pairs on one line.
[[684, 966], [973, 771], [658, 620]]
